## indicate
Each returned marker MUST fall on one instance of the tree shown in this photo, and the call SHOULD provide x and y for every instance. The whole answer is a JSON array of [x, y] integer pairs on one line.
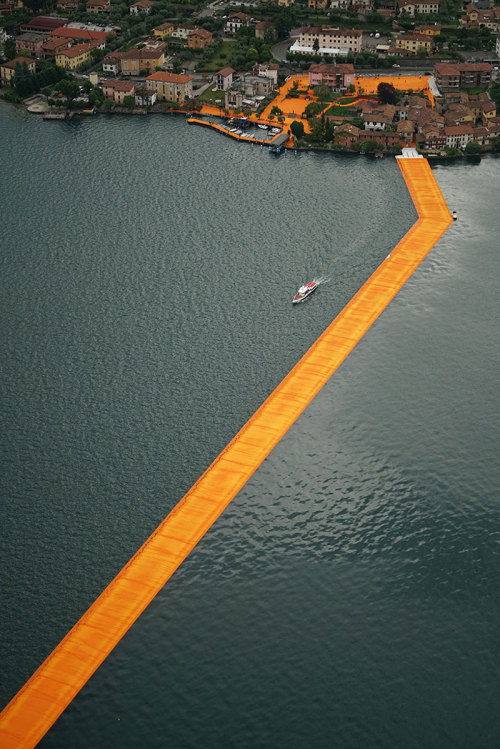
[[9, 48], [473, 148], [23, 80], [316, 45], [297, 128], [386, 93], [128, 101], [69, 88], [177, 66]]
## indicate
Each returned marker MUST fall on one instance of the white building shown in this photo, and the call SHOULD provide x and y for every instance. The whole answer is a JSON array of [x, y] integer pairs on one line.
[[329, 41]]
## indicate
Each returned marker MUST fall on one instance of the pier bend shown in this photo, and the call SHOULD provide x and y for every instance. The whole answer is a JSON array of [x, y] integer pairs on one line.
[[31, 713]]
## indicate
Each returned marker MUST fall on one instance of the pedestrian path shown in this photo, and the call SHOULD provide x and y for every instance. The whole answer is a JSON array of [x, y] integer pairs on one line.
[[35, 708]]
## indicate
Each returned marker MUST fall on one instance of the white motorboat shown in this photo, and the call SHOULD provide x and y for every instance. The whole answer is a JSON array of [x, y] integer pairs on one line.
[[305, 291]]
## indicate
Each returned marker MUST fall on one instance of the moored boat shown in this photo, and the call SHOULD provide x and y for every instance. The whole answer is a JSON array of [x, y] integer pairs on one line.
[[304, 291]]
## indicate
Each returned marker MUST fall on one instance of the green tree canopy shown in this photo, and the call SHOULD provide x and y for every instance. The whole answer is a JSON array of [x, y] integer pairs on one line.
[[386, 93], [297, 128], [9, 48], [69, 88]]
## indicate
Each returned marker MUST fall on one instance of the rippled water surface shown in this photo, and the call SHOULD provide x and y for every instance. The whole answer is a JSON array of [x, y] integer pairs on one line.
[[349, 594]]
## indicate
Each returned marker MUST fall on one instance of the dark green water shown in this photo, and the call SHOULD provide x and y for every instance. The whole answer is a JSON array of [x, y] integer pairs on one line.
[[349, 594]]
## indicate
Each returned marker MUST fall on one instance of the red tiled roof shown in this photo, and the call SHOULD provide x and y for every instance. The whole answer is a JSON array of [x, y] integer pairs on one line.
[[475, 67], [78, 49], [201, 32], [458, 130], [116, 85], [49, 23], [226, 71], [81, 34], [165, 77], [444, 68], [17, 61]]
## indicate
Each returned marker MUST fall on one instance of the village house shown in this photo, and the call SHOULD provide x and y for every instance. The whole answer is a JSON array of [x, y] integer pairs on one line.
[[233, 100], [285, 3], [473, 74], [256, 85], [406, 131], [141, 6], [337, 77], [265, 27], [67, 6], [144, 60], [182, 31], [317, 4], [375, 121], [481, 135], [433, 30], [414, 42], [143, 97], [329, 41], [199, 39], [111, 63], [432, 138], [170, 86], [385, 138], [8, 69], [447, 76], [98, 6], [163, 30], [75, 56], [32, 43], [463, 75], [268, 70], [235, 21], [346, 134], [458, 114], [224, 79], [54, 44], [425, 8], [476, 18], [118, 90], [457, 136], [340, 4]]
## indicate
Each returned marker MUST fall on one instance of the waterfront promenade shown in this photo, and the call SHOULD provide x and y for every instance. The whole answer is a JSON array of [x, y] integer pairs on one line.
[[40, 702]]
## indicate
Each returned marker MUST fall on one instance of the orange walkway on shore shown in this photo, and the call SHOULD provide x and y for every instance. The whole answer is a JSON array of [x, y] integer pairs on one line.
[[47, 693]]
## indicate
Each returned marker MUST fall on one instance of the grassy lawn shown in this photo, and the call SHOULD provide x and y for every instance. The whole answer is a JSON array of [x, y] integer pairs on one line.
[[212, 96], [342, 111], [222, 58]]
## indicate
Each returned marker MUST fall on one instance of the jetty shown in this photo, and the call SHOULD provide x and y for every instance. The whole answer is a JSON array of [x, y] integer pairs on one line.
[[39, 703]]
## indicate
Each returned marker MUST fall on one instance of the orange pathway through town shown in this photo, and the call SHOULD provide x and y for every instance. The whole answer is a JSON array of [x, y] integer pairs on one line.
[[32, 712]]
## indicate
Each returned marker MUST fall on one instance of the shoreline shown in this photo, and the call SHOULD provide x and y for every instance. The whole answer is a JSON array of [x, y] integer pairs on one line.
[[141, 112]]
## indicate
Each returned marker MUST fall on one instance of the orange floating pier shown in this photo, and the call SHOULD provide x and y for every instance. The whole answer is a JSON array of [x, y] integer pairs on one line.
[[35, 708]]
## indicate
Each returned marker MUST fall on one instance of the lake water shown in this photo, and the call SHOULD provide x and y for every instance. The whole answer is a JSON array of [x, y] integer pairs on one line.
[[348, 596]]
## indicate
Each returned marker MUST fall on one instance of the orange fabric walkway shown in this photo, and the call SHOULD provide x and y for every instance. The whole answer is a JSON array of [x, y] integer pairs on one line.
[[47, 693]]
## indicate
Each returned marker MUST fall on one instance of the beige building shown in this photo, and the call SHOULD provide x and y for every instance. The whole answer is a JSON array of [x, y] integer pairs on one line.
[[8, 69], [170, 86], [145, 60], [409, 7], [73, 57], [414, 42], [118, 90], [164, 30]]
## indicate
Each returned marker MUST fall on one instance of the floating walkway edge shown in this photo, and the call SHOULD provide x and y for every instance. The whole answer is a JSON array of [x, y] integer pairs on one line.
[[38, 704]]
